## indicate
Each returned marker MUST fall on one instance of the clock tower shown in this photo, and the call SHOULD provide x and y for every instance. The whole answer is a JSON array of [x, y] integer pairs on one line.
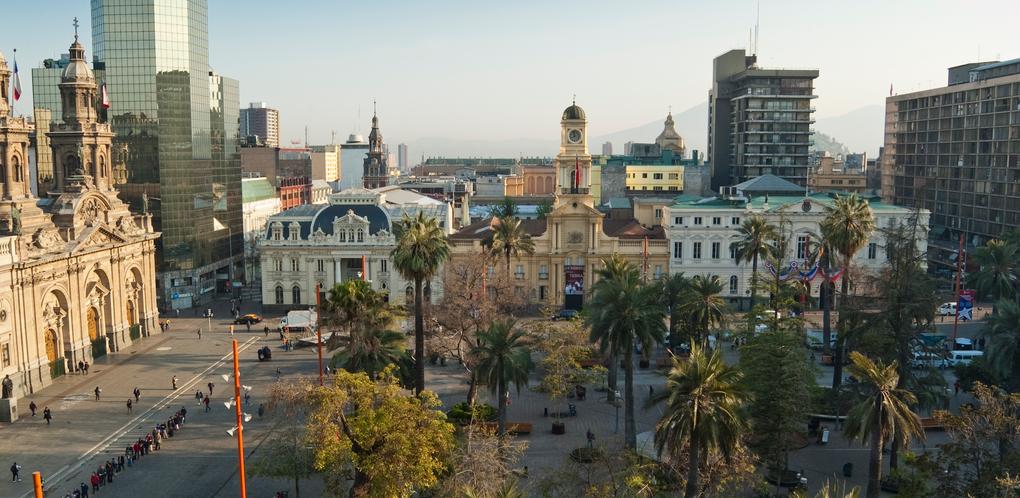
[[573, 163]]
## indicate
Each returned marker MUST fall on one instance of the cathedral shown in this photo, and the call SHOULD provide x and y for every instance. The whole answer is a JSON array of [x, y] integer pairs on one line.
[[77, 268]]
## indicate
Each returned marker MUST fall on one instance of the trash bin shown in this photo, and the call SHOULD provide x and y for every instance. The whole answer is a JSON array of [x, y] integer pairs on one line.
[[848, 469]]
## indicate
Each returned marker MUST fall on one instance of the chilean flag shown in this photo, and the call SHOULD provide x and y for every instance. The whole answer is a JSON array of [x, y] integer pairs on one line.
[[577, 172], [106, 97], [16, 83]]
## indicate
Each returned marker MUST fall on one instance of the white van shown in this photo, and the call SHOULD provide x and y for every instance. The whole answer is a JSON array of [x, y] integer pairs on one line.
[[964, 357], [947, 309], [928, 359]]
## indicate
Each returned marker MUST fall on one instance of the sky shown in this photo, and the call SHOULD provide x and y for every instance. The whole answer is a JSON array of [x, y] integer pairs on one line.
[[485, 70]]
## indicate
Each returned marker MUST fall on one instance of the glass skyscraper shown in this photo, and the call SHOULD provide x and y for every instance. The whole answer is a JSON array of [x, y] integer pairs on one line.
[[178, 125]]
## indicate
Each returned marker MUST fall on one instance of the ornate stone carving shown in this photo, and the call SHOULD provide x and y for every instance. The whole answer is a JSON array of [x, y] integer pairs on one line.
[[575, 237], [90, 210], [45, 238]]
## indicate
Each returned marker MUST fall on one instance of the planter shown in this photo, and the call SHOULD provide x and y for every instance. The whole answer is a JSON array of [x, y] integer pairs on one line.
[[559, 428]]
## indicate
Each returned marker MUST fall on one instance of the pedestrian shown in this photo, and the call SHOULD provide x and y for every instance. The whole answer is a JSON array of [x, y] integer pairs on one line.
[[47, 415], [137, 393], [278, 373], [32, 406], [178, 310], [210, 387], [84, 490], [247, 399], [94, 480], [81, 367], [129, 406], [97, 391], [174, 382], [15, 472], [86, 368], [206, 402], [231, 331], [200, 332], [120, 463], [248, 324], [262, 409], [102, 475], [266, 330], [956, 386]]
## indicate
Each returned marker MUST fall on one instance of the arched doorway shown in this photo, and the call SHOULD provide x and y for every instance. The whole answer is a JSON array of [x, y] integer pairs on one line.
[[57, 364], [97, 340], [134, 330]]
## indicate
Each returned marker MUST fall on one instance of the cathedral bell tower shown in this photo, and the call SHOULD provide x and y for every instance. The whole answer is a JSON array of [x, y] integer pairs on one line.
[[17, 204], [573, 163], [375, 172]]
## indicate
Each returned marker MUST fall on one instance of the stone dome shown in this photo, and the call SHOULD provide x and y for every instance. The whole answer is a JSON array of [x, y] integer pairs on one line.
[[78, 69], [573, 112]]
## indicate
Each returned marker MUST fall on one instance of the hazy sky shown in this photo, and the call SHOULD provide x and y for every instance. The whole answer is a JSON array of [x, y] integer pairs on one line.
[[505, 70]]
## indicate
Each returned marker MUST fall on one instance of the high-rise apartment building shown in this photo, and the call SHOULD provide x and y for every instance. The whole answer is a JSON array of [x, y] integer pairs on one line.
[[759, 120], [402, 158], [262, 122], [955, 150], [177, 125], [607, 149], [326, 162]]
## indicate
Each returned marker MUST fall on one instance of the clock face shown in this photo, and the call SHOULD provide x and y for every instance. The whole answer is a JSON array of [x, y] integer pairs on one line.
[[574, 136]]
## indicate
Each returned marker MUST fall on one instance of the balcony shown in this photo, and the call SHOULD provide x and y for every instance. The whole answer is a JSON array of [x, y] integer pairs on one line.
[[581, 190]]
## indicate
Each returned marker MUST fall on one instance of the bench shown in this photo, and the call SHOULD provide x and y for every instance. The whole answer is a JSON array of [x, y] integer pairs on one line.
[[515, 428], [590, 362], [930, 423]]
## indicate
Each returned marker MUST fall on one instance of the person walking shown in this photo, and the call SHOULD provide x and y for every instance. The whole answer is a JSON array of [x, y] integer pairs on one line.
[[32, 407], [47, 415], [137, 392], [86, 368], [129, 406], [97, 391], [210, 387], [174, 382], [94, 480], [81, 367], [15, 472], [247, 399], [200, 332], [205, 401], [84, 490]]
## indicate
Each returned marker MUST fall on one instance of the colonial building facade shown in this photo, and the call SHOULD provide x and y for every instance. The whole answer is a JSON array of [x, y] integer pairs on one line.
[[571, 242], [703, 233], [77, 268], [325, 244]]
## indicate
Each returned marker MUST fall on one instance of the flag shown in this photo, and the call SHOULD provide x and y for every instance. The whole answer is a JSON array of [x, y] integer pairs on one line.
[[16, 82], [106, 97], [577, 171], [890, 89]]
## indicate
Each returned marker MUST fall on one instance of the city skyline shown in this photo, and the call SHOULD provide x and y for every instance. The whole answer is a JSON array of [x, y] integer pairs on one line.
[[445, 61]]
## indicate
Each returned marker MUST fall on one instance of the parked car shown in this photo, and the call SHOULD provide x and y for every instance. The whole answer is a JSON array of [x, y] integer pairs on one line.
[[250, 319], [963, 344], [565, 315], [947, 309]]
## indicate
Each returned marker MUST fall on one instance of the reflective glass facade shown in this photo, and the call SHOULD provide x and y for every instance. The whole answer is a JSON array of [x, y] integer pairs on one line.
[[180, 126]]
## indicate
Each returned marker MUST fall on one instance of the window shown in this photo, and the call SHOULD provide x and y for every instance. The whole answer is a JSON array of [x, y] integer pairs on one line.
[[276, 232], [658, 213], [519, 272], [697, 220], [716, 249], [872, 250], [543, 272], [717, 220], [382, 265], [674, 176], [319, 265], [361, 235], [658, 271], [294, 265], [350, 235], [343, 236], [733, 252], [678, 220], [735, 221], [678, 250], [802, 246], [278, 264], [644, 175], [5, 355], [696, 252], [295, 295], [279, 295], [733, 284], [656, 176]]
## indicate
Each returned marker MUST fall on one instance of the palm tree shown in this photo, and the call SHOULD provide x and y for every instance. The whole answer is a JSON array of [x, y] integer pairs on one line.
[[503, 359], [421, 249], [823, 254], [507, 208], [847, 227], [353, 306], [998, 273], [704, 304], [673, 290], [371, 352], [756, 235], [703, 397], [624, 312], [509, 239], [884, 412], [1003, 334]]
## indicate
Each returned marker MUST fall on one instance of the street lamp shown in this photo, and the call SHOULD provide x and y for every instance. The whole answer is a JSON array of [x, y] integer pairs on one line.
[[241, 418]]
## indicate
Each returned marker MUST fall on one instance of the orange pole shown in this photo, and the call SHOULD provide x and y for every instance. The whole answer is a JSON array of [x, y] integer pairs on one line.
[[318, 329], [37, 482], [364, 268], [240, 423]]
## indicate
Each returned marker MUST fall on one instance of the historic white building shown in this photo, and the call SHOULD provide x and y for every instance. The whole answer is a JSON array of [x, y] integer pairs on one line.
[[324, 244], [703, 232], [77, 268]]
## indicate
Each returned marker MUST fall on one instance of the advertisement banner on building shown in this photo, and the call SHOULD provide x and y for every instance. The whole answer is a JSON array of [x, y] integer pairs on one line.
[[574, 280], [965, 308]]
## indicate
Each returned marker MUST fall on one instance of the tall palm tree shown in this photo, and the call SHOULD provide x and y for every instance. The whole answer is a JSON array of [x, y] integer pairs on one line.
[[1003, 334], [353, 306], [847, 227], [503, 359], [703, 397], [673, 290], [625, 312], [821, 252], [509, 239], [755, 235], [612, 269], [371, 351], [998, 273], [704, 304], [421, 250], [884, 412]]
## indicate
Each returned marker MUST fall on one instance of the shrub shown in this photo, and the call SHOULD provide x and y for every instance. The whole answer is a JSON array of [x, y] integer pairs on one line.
[[461, 413]]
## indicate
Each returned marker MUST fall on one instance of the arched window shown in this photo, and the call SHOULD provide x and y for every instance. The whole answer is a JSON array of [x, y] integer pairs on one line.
[[350, 235], [279, 295], [101, 171], [733, 284], [295, 295], [16, 166], [343, 236], [361, 235]]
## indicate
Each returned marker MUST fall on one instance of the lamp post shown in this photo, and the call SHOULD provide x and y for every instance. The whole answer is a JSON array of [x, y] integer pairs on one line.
[[318, 329], [616, 403], [240, 423]]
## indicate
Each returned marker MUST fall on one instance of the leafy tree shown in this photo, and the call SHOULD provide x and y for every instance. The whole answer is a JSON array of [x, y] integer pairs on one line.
[[389, 443], [507, 208], [998, 273], [847, 227], [884, 411], [702, 416], [831, 490], [704, 304], [353, 307], [673, 292], [503, 359], [565, 349], [374, 350], [421, 249], [509, 239], [755, 234], [483, 465], [544, 208], [1003, 335], [624, 312], [287, 453]]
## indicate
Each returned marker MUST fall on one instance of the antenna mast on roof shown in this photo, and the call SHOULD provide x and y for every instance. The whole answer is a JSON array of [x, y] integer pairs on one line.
[[757, 18]]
